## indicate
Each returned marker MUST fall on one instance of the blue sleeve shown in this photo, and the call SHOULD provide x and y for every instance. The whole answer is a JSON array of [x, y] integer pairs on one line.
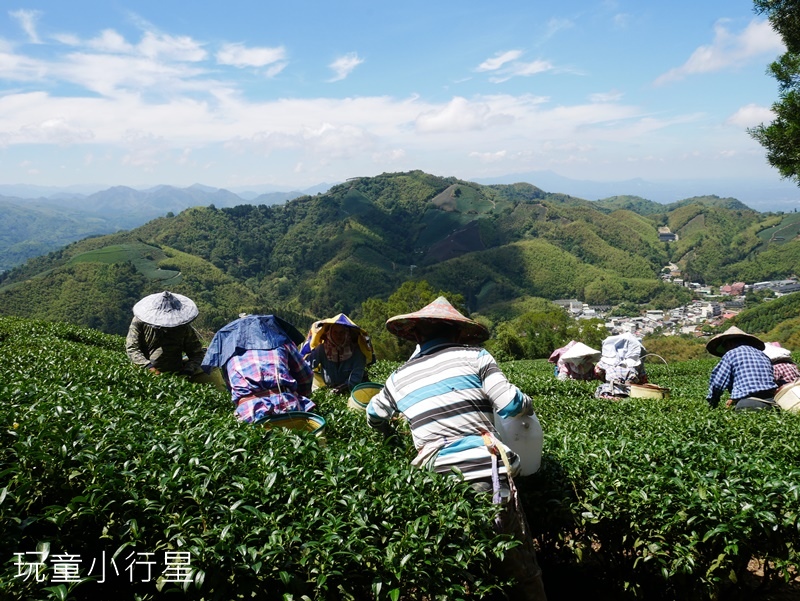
[[721, 380]]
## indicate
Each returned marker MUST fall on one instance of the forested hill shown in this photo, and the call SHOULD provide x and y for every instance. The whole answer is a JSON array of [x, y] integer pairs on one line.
[[317, 255], [642, 206], [35, 227]]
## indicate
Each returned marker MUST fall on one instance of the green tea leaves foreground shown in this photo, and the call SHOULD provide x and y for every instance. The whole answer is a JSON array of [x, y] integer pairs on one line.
[[116, 483], [671, 498], [125, 478]]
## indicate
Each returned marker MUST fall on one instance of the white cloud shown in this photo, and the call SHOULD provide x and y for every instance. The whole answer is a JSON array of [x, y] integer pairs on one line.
[[180, 48], [56, 131], [337, 141], [489, 157], [606, 97], [27, 20], [553, 27], [144, 150], [498, 60], [110, 41], [275, 69], [68, 39], [344, 65], [728, 50], [394, 155], [522, 70], [238, 55], [182, 115], [109, 74], [458, 115], [751, 115], [15, 67]]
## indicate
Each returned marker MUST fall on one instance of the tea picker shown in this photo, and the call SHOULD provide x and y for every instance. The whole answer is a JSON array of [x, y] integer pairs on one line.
[[339, 351], [744, 371], [160, 334], [620, 366], [262, 367], [449, 392]]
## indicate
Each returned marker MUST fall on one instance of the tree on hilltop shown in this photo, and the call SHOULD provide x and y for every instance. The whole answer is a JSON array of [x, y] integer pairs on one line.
[[781, 138]]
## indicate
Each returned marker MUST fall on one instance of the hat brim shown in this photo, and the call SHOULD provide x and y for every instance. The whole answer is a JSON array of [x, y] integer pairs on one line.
[[469, 332], [157, 310], [319, 328], [714, 346], [580, 352], [440, 311]]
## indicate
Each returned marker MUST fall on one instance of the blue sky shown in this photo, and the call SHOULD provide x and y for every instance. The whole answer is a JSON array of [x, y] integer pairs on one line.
[[239, 93]]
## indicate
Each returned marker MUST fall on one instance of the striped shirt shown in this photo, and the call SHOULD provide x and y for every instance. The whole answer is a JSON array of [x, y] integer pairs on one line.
[[743, 370], [449, 393]]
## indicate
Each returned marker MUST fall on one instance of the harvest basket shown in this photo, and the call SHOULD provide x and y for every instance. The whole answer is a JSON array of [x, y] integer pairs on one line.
[[788, 397], [361, 395], [299, 421], [649, 391]]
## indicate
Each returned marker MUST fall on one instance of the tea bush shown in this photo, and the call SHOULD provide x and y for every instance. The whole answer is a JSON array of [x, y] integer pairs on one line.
[[670, 499], [105, 468], [129, 479]]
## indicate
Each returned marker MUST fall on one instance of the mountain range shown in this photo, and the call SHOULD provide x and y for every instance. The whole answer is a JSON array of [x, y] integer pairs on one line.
[[764, 195], [498, 246], [36, 226], [40, 219]]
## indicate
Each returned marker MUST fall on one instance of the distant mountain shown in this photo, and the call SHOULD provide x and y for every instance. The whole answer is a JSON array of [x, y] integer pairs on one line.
[[38, 226], [33, 191], [251, 192], [762, 195], [495, 245], [643, 206], [31, 228]]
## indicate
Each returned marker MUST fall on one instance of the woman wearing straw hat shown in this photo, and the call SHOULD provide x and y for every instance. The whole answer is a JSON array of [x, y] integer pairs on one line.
[[339, 352], [744, 370], [161, 334], [449, 391]]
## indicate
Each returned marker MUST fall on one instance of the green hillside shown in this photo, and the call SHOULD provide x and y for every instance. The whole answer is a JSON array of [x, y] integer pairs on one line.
[[637, 204], [775, 320], [318, 255], [786, 229]]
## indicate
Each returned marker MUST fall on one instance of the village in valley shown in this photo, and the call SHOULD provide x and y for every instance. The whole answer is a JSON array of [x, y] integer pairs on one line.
[[711, 307]]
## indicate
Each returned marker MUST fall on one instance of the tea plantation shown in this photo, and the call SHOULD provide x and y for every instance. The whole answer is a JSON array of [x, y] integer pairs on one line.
[[116, 484]]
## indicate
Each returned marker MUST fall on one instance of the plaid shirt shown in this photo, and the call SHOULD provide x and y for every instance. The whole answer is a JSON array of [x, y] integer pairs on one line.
[[785, 372], [268, 382], [743, 370]]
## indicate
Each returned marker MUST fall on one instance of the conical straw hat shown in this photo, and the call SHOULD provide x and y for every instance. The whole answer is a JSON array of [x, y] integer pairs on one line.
[[579, 351], [440, 310], [733, 333], [165, 309], [775, 351]]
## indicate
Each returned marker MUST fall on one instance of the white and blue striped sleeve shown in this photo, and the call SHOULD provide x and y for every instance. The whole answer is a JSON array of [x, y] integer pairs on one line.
[[507, 399]]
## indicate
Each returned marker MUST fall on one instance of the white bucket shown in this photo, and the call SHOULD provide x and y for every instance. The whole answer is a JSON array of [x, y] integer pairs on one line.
[[788, 397], [524, 436]]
